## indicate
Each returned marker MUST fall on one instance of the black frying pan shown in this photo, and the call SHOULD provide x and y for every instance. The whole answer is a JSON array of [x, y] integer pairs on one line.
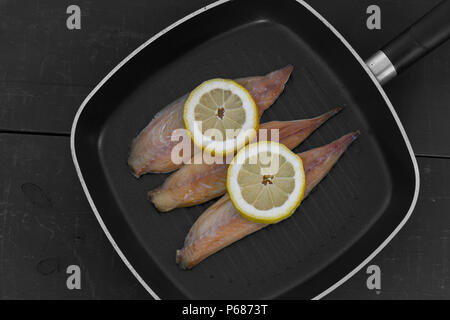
[[353, 214]]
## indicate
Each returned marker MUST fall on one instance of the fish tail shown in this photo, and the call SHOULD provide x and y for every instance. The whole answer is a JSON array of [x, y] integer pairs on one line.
[[293, 133]]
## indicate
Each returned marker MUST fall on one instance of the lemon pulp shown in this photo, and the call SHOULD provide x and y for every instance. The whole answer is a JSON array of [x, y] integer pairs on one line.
[[266, 182], [221, 116]]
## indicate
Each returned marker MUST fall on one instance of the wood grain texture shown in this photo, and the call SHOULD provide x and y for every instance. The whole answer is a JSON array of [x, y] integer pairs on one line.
[[416, 264], [46, 70], [45, 73], [46, 225]]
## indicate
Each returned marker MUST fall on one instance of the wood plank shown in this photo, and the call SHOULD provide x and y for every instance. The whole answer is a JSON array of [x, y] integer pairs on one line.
[[415, 265], [46, 225], [36, 107], [47, 70], [39, 47], [421, 94]]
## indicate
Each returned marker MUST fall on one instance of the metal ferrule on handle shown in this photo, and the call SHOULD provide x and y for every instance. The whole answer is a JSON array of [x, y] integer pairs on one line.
[[381, 67], [422, 37]]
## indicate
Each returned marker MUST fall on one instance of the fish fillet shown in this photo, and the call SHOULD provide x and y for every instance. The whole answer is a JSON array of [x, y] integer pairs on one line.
[[151, 149], [193, 184], [221, 225]]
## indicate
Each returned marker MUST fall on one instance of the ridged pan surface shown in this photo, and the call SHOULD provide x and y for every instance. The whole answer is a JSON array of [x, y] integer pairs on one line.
[[353, 210]]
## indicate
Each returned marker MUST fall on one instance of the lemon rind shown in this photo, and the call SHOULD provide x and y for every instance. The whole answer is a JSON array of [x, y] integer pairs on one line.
[[248, 138], [272, 219]]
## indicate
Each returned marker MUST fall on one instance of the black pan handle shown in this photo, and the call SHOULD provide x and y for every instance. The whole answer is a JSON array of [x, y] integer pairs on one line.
[[422, 37]]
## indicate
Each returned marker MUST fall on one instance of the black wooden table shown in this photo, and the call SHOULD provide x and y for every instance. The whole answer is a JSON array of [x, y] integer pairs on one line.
[[46, 71]]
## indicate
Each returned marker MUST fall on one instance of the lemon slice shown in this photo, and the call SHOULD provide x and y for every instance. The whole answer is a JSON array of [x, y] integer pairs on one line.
[[221, 116], [266, 182]]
